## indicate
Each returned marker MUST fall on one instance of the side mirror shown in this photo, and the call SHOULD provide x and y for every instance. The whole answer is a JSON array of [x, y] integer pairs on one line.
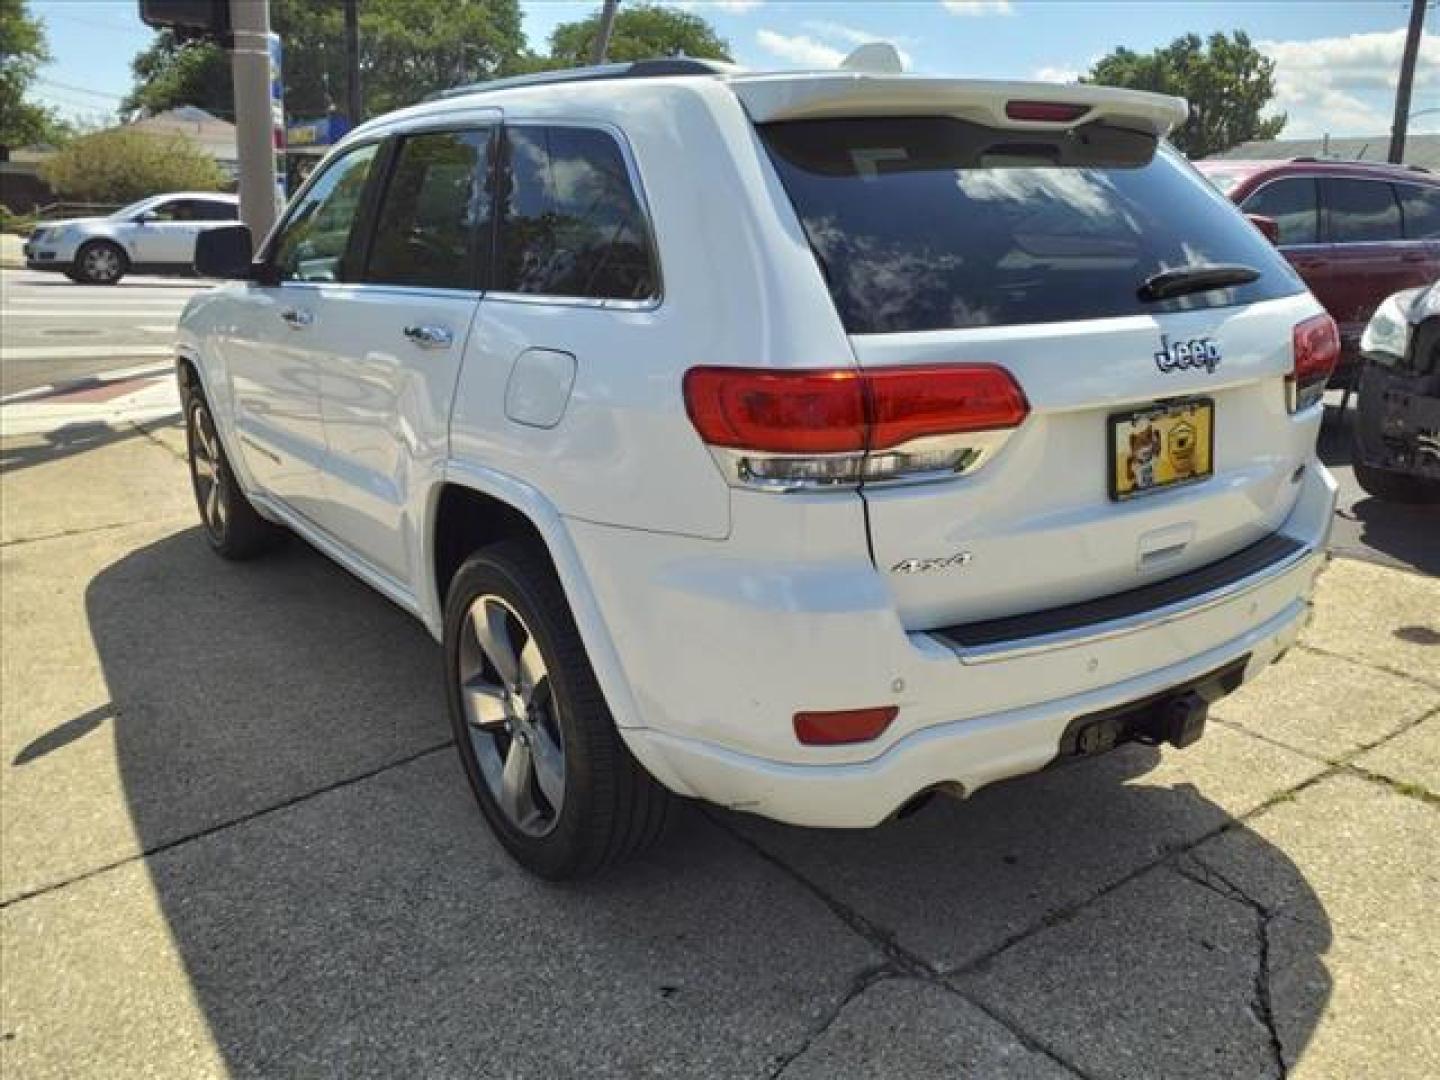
[[1267, 225], [146, 217], [224, 252]]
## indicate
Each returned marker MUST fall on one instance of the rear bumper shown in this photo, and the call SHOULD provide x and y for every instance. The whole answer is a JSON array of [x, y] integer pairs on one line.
[[961, 756], [720, 653]]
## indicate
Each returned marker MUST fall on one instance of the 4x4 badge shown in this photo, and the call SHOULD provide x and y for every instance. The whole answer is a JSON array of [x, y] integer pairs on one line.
[[922, 566], [1198, 353]]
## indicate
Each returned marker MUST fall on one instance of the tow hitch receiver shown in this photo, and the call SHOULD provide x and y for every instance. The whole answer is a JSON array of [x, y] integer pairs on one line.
[[1176, 716]]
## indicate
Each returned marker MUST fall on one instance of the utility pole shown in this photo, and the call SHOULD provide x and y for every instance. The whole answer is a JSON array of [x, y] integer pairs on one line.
[[254, 118], [1407, 79], [352, 61], [603, 32]]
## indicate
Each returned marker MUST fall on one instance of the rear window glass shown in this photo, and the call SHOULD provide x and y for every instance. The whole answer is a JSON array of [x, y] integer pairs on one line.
[[928, 223], [1420, 207]]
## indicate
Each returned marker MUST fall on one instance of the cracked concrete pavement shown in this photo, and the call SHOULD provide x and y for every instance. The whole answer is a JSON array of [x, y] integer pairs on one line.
[[235, 842]]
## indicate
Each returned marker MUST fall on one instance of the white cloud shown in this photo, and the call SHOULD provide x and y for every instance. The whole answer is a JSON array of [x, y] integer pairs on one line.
[[1056, 74], [853, 35], [1346, 85], [799, 49], [734, 7], [979, 7]]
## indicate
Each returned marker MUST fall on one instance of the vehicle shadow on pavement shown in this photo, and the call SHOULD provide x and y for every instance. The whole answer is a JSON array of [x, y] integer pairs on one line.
[[339, 907], [24, 451], [1408, 533]]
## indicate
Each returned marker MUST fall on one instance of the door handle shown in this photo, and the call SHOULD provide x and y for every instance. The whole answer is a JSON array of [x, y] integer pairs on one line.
[[430, 337], [297, 318], [1413, 256]]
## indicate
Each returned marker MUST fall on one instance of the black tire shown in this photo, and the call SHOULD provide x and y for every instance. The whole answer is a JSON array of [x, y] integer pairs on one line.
[[1395, 486], [100, 262], [74, 276], [612, 809], [231, 525]]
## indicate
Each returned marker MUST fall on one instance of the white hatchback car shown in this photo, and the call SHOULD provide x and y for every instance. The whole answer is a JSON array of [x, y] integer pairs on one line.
[[153, 236], [806, 443]]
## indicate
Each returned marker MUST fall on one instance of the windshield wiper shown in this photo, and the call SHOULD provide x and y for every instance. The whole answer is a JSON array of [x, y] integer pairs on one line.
[[1193, 279]]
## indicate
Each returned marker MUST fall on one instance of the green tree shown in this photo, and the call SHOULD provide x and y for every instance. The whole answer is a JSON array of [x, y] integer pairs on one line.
[[408, 48], [22, 51], [122, 164], [641, 32], [1227, 81], [171, 73]]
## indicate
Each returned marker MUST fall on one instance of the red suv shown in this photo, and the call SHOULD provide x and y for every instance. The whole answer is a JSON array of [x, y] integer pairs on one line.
[[1356, 232]]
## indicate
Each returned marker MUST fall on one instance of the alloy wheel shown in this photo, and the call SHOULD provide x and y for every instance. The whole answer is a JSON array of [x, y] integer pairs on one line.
[[511, 717], [205, 464], [102, 264]]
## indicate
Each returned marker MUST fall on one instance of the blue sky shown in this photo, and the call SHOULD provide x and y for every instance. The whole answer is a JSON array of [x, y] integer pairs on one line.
[[1336, 59]]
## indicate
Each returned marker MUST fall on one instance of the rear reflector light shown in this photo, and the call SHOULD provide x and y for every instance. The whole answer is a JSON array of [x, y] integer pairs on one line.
[[839, 426], [1052, 111], [1317, 351], [844, 726]]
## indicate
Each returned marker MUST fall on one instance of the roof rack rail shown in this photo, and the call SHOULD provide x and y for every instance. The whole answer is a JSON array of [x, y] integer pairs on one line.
[[635, 69]]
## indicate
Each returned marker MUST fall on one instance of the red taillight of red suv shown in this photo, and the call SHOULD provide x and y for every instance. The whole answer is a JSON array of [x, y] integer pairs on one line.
[[1317, 351], [840, 426]]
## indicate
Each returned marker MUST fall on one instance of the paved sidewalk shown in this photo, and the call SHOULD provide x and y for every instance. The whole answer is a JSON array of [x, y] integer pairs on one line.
[[12, 251], [236, 842]]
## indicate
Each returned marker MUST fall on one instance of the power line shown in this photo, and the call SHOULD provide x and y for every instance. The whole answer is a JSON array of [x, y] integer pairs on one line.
[[79, 89]]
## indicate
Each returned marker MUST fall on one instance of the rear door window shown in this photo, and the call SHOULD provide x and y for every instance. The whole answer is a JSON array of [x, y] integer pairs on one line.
[[1293, 204], [571, 223], [1419, 211], [927, 223], [435, 212], [1360, 211]]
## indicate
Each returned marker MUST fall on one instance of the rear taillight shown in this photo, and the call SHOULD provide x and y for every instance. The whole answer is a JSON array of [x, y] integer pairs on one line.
[[789, 429], [1317, 351], [1050, 111]]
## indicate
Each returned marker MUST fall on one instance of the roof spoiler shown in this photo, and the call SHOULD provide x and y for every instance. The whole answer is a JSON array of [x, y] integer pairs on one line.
[[1020, 106]]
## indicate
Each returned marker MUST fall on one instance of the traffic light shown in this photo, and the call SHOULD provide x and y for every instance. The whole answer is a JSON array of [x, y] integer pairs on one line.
[[188, 19]]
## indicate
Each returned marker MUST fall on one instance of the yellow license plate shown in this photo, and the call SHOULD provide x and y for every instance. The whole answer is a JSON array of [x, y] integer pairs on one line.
[[1161, 447]]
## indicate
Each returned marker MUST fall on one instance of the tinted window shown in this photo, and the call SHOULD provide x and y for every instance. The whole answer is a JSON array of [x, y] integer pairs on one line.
[[1360, 210], [173, 210], [435, 210], [571, 223], [1292, 203], [207, 210], [1420, 208], [313, 243], [926, 223]]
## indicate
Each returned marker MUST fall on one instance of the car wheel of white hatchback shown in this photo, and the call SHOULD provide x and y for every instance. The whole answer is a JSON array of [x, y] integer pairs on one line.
[[535, 737]]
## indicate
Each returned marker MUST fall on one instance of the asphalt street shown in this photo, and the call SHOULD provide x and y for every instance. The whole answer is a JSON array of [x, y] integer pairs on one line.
[[54, 332]]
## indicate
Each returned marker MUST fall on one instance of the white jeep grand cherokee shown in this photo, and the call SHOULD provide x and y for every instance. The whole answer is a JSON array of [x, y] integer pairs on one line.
[[806, 443]]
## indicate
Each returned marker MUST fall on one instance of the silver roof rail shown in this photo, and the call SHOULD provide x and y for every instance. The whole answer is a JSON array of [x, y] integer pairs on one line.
[[635, 69]]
